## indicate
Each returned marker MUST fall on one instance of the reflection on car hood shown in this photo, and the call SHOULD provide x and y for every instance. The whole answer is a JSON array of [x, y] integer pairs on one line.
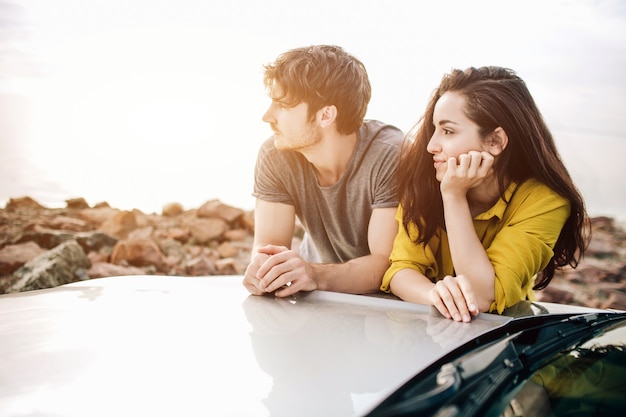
[[152, 346]]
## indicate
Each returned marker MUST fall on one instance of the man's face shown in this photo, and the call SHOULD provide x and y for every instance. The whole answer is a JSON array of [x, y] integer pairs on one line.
[[292, 129]]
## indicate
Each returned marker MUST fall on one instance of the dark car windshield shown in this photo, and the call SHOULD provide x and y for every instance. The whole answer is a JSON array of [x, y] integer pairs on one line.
[[588, 380], [554, 365]]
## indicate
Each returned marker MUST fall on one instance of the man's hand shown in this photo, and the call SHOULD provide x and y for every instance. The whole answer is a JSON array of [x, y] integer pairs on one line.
[[250, 280], [283, 272]]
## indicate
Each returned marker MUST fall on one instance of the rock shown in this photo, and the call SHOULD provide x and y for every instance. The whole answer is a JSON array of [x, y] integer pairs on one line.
[[141, 233], [555, 295], [216, 209], [64, 264], [23, 203], [217, 239], [98, 215], [104, 269], [95, 241], [172, 209], [138, 252], [204, 230], [14, 256], [46, 238], [180, 234], [120, 225], [227, 250], [97, 257], [247, 221], [616, 299], [201, 266], [227, 266], [598, 281], [67, 223], [76, 203], [172, 248], [236, 234]]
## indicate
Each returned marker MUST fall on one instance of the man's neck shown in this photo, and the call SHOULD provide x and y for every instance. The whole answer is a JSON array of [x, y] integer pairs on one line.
[[331, 156]]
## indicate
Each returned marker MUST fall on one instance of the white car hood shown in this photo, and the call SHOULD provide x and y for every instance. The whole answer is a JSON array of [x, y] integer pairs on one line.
[[181, 346]]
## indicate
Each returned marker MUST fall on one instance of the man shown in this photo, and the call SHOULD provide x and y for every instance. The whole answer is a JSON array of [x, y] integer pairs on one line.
[[331, 169]]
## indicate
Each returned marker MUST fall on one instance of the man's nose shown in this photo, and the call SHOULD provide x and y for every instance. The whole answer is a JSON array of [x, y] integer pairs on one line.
[[268, 116]]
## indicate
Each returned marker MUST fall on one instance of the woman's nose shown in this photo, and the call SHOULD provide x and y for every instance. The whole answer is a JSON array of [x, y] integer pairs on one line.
[[432, 146]]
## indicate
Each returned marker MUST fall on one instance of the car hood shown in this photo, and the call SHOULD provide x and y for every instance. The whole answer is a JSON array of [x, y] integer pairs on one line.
[[151, 345]]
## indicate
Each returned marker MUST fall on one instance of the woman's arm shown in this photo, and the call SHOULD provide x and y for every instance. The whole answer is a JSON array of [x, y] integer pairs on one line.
[[472, 289]]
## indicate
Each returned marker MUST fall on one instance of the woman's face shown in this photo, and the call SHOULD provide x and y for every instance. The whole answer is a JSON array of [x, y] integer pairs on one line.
[[454, 134]]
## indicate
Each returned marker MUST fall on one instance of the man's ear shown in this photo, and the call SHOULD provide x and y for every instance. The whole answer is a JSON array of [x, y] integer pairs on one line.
[[326, 115], [498, 141]]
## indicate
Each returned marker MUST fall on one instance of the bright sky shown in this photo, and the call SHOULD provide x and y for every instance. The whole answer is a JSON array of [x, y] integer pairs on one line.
[[143, 102]]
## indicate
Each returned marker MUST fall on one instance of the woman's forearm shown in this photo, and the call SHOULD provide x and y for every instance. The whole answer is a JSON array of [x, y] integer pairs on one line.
[[410, 285], [468, 255]]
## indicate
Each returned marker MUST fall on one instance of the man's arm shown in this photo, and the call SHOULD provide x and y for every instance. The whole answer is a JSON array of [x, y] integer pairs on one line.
[[285, 273], [274, 224], [364, 274]]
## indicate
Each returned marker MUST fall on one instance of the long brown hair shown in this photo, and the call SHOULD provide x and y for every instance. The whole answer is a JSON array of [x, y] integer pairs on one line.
[[494, 97]]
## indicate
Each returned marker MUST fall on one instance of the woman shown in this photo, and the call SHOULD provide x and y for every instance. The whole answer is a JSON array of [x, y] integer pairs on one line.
[[488, 210]]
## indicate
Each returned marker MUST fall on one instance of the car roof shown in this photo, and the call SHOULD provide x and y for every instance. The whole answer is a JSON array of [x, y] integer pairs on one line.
[[158, 345]]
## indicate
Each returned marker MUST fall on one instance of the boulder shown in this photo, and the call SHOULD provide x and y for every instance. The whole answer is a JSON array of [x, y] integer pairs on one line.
[[172, 209], [138, 252], [64, 264], [217, 209], [105, 269], [13, 257], [205, 230], [120, 225]]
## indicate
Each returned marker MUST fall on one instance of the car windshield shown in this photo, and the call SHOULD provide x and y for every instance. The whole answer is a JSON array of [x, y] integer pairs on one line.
[[555, 365], [588, 380]]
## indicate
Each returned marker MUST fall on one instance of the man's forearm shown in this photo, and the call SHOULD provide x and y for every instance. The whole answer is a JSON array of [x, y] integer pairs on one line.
[[358, 276]]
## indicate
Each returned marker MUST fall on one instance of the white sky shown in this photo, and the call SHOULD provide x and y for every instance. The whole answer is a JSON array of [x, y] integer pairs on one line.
[[140, 96]]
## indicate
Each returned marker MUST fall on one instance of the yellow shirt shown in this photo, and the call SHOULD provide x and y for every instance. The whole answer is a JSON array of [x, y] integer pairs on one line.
[[518, 237]]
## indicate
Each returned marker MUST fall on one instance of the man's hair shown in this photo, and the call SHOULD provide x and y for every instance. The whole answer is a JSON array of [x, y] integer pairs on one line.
[[322, 75]]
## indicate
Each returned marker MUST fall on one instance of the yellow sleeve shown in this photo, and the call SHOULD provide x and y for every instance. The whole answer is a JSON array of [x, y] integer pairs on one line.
[[524, 245], [407, 254]]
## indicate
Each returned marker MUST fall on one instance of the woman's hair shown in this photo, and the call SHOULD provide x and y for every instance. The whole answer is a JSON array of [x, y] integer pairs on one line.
[[494, 97], [320, 76]]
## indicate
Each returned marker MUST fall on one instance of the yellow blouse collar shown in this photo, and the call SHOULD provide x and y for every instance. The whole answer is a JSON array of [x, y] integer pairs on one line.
[[497, 210]]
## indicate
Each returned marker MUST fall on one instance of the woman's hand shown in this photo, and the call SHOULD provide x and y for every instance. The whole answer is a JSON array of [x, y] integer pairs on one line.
[[454, 298], [466, 173]]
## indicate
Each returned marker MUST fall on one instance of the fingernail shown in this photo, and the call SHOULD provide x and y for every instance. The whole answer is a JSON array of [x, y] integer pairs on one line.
[[473, 307], [457, 317], [466, 318]]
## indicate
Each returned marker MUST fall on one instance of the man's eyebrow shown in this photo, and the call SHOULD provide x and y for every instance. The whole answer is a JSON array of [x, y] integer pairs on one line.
[[284, 100]]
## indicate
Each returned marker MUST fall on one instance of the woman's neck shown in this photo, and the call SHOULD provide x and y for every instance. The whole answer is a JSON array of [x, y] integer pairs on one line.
[[483, 197]]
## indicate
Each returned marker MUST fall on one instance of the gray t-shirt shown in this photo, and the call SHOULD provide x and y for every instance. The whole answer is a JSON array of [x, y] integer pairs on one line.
[[335, 218]]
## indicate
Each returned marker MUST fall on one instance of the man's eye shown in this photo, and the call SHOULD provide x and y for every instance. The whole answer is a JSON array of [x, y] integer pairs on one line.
[[447, 131]]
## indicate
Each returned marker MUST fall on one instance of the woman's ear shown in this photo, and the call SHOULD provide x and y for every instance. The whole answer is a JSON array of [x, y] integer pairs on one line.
[[498, 141]]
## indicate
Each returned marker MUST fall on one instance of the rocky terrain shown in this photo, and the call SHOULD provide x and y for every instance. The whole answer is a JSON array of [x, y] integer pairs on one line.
[[44, 247]]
